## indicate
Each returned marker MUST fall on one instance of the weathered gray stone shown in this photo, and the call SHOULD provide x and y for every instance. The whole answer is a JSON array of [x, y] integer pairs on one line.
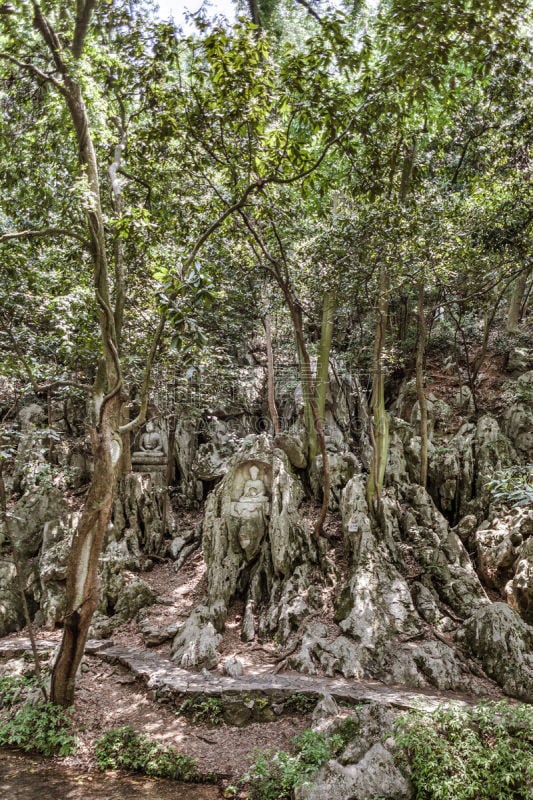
[[28, 517], [197, 640], [11, 616], [293, 447], [233, 667], [503, 642], [324, 709], [375, 775], [520, 359]]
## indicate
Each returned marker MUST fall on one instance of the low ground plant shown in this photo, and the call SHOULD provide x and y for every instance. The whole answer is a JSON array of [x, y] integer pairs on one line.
[[275, 774], [480, 753], [124, 748], [40, 727], [209, 710]]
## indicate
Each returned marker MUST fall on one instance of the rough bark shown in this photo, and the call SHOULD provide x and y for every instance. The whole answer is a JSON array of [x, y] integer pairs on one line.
[[515, 308], [322, 369], [422, 402], [270, 375], [379, 425], [82, 571]]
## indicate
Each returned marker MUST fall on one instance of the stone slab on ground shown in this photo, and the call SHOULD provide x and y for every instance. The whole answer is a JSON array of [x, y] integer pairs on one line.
[[169, 681]]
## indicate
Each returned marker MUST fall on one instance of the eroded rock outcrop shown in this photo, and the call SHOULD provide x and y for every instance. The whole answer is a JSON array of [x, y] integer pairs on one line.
[[257, 546]]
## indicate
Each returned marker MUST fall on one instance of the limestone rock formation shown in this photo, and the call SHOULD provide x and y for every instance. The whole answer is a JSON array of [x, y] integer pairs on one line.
[[504, 644], [366, 769], [255, 545]]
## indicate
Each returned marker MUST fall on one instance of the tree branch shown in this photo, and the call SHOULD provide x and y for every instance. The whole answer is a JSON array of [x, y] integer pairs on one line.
[[36, 71], [35, 234]]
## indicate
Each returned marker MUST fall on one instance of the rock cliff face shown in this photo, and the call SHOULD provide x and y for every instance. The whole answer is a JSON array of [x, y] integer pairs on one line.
[[410, 606]]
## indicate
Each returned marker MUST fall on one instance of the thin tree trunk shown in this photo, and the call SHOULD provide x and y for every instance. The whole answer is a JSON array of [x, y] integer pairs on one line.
[[270, 375], [309, 393], [379, 425], [169, 473], [322, 369], [82, 569], [422, 402], [515, 309]]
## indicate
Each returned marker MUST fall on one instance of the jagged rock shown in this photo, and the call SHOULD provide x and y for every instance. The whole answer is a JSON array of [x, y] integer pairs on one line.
[[464, 400], [197, 640], [496, 554], [442, 668], [293, 447], [440, 553], [27, 519], [137, 514], [176, 546], [520, 359], [505, 558], [518, 426], [376, 603], [493, 452], [503, 642], [451, 472], [342, 466], [153, 635], [372, 723], [324, 709], [255, 543], [375, 775], [52, 570], [233, 667], [11, 616], [519, 590], [135, 595], [466, 529]]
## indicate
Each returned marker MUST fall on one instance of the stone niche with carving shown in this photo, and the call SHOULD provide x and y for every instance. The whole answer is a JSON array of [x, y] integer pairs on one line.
[[150, 450], [250, 504]]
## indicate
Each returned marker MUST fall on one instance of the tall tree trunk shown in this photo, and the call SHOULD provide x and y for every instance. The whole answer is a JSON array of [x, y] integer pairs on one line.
[[271, 394], [515, 309], [308, 389], [422, 402], [82, 570], [379, 424], [322, 368]]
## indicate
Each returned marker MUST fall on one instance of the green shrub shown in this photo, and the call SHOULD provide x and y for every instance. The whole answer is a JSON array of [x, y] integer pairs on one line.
[[512, 486], [124, 748], [300, 703], [203, 709], [274, 775], [13, 688], [481, 753], [42, 727]]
